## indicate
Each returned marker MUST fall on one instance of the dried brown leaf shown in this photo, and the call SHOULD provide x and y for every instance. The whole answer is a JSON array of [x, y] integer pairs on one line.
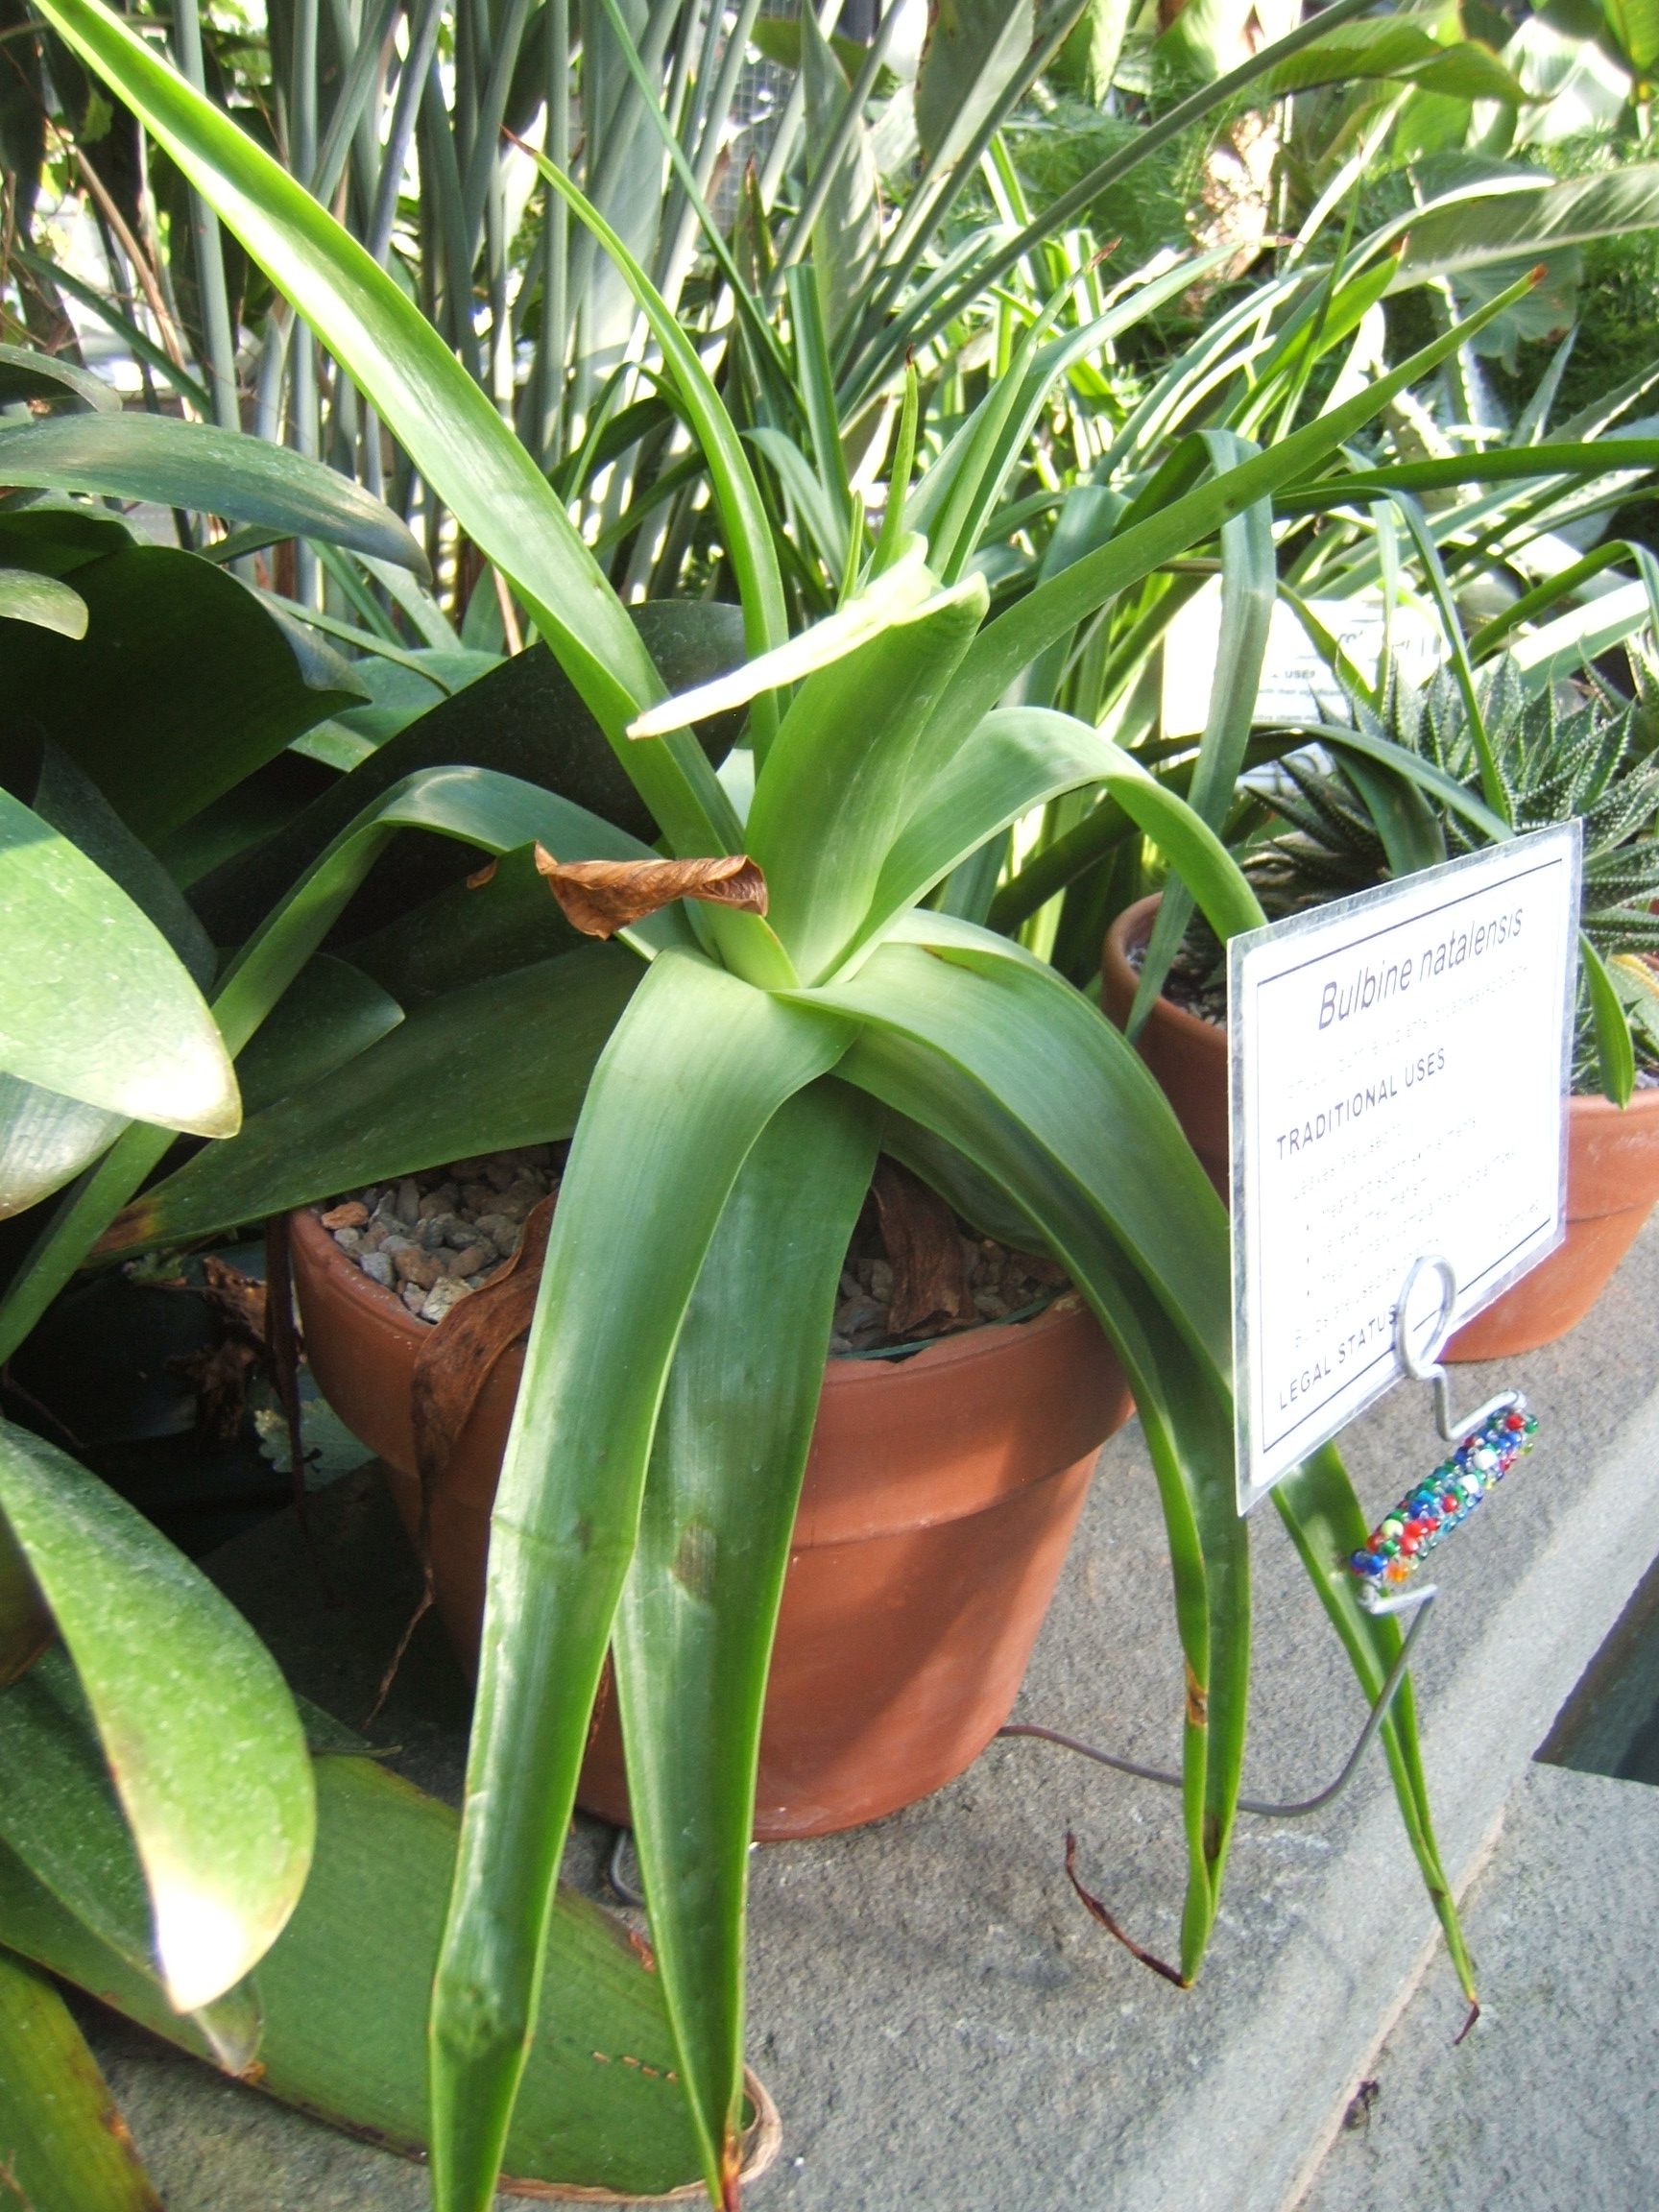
[[600, 897], [930, 1271]]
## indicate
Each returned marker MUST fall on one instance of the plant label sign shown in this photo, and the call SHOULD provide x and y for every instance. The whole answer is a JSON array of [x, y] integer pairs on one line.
[[1400, 1063]]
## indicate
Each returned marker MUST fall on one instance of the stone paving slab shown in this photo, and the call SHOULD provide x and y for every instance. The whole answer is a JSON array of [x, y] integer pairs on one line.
[[940, 2023], [1553, 2100]]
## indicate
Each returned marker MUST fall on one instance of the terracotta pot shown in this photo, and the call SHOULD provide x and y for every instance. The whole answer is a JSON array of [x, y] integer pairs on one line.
[[1187, 1056], [940, 1497], [1612, 1183], [1612, 1161]]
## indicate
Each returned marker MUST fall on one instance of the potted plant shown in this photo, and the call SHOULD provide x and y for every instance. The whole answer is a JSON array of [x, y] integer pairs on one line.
[[785, 1004], [1553, 761], [947, 1466]]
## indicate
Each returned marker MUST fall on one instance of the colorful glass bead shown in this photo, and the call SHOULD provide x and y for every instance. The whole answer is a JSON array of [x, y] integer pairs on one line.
[[1427, 1515]]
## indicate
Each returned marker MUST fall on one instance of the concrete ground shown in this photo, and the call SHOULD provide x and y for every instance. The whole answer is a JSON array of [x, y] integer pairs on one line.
[[1554, 2099], [946, 2031]]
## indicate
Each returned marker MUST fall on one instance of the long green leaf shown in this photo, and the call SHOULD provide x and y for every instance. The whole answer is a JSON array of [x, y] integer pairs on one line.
[[446, 424], [1008, 645], [695, 1069], [951, 1047], [1614, 1046], [206, 1755], [344, 1992], [94, 1003], [844, 769], [1497, 465], [695, 1626], [1317, 1506], [747, 532], [1249, 586], [1018, 758], [516, 1052], [153, 457], [67, 2147]]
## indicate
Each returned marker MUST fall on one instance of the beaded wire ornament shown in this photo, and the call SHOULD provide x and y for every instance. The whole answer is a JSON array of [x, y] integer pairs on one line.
[[1486, 1445], [1402, 1540]]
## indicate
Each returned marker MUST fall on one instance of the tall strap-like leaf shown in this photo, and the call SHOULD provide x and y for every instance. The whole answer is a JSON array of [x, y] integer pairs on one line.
[[697, 1066], [1249, 586], [951, 1049], [748, 533], [695, 1626], [446, 424], [1008, 645], [1317, 1504], [1017, 758], [837, 783]]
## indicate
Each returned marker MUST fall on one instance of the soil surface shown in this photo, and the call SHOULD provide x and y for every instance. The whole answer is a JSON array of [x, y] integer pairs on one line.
[[915, 1270]]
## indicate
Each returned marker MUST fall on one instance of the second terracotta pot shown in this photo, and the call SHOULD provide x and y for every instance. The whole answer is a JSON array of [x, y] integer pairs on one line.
[[1612, 1160], [939, 1500], [1187, 1056]]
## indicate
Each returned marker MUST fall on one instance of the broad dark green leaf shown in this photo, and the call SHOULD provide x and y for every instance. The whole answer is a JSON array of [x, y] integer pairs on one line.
[[45, 1140], [695, 1625], [199, 1733], [695, 1069], [182, 687], [126, 1031], [328, 1015], [55, 539], [60, 1814], [175, 464], [344, 1991], [524, 719], [495, 814], [497, 1064], [43, 776], [66, 2147]]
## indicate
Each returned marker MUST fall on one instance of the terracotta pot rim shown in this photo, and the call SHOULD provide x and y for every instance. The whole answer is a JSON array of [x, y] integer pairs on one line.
[[1134, 926], [1126, 930], [985, 1340]]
